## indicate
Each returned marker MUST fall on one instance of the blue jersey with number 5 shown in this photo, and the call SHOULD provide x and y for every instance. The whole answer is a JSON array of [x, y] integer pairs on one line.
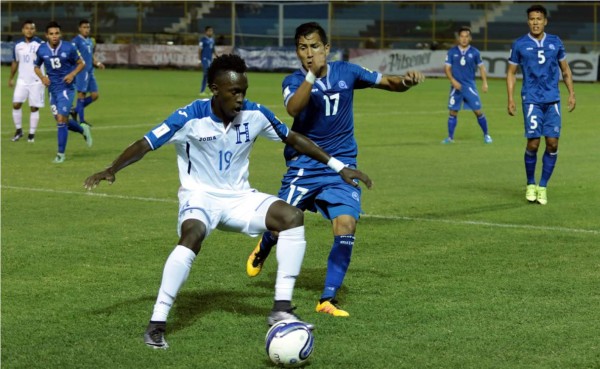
[[58, 63], [328, 118], [539, 61]]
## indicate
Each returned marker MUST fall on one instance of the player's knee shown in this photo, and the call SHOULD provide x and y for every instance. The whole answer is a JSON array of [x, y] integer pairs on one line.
[[344, 225], [552, 147], [193, 232], [292, 217], [533, 145], [34, 109], [17, 106]]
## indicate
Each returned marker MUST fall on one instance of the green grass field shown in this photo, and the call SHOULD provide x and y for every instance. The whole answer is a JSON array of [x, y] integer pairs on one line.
[[452, 267]]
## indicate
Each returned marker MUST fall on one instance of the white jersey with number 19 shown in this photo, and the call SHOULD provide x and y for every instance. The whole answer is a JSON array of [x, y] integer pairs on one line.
[[210, 156]]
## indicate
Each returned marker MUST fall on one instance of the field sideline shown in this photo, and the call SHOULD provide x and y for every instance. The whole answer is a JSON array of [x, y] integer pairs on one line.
[[452, 267]]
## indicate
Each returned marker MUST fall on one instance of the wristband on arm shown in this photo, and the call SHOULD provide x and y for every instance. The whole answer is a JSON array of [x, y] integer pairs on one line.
[[310, 77], [335, 164]]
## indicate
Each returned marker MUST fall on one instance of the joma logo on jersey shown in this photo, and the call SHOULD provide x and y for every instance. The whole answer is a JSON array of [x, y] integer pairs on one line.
[[212, 138], [240, 134]]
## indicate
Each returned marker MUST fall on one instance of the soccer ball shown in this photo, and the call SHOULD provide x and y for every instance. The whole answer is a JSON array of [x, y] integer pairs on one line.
[[289, 343]]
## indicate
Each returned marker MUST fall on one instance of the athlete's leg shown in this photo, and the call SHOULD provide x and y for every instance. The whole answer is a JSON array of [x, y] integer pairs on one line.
[[549, 160], [531, 159], [34, 120], [344, 227], [289, 222], [17, 114], [178, 266], [175, 273], [205, 66], [482, 121], [452, 123]]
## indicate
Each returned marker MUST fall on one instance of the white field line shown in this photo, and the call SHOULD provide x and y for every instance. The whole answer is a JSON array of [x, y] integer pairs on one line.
[[375, 216], [148, 126]]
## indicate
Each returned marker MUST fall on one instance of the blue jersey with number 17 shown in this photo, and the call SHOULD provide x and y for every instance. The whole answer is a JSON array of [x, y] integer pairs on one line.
[[85, 46], [539, 61], [328, 119]]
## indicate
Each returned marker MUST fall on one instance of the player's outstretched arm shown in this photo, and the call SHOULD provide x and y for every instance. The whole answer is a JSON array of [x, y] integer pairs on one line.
[[133, 153], [304, 145], [400, 83]]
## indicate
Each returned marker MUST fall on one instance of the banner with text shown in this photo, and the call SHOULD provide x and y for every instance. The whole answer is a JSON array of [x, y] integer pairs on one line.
[[431, 63], [179, 56], [276, 58]]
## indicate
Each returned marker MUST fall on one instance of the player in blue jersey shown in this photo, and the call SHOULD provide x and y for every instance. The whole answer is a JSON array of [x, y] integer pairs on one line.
[[213, 139], [542, 59], [62, 63], [462, 62], [320, 97], [205, 53], [85, 82], [29, 86]]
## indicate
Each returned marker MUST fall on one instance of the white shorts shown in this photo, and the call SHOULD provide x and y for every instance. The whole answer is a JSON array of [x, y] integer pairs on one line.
[[242, 212], [35, 93]]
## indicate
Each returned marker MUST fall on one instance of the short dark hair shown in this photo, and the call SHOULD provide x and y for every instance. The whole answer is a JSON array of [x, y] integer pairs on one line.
[[306, 29], [537, 8], [52, 24], [27, 21], [207, 28], [83, 21], [463, 29], [226, 63]]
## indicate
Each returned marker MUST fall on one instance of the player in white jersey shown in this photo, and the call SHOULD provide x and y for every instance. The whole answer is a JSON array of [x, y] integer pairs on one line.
[[213, 139], [29, 86]]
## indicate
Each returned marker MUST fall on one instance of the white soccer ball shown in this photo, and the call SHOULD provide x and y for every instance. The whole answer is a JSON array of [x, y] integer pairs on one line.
[[289, 343]]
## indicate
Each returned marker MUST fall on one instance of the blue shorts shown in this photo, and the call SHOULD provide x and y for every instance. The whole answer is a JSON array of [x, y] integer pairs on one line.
[[61, 102], [542, 120], [320, 190], [86, 82], [468, 95]]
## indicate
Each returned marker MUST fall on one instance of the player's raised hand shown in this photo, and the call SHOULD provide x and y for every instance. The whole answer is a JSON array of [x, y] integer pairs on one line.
[[93, 180], [318, 62], [349, 174]]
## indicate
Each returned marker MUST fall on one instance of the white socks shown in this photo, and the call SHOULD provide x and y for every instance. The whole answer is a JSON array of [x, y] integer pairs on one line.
[[290, 253], [175, 273], [34, 119], [18, 118]]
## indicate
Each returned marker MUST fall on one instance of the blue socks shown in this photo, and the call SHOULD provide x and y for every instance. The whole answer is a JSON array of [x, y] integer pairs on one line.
[[483, 123], [74, 126], [337, 265], [530, 162], [548, 163], [452, 122], [62, 135], [267, 243], [204, 81], [80, 107]]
